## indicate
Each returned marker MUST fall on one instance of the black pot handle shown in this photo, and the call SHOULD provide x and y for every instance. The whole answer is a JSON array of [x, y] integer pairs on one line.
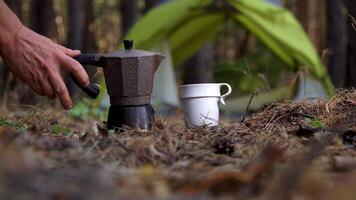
[[92, 90], [88, 59]]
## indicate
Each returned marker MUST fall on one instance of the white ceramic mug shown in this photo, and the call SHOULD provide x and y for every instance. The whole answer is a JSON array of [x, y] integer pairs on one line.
[[200, 103]]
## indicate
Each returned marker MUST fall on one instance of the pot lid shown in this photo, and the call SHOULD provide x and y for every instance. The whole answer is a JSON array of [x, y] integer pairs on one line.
[[129, 52]]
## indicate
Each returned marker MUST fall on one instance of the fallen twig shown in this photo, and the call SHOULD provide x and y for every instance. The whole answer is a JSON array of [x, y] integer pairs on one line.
[[248, 107]]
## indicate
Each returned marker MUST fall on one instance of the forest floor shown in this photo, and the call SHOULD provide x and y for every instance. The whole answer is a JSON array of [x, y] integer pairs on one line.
[[290, 150]]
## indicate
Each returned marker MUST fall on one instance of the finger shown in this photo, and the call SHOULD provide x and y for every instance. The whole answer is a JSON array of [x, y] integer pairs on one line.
[[61, 90], [68, 52], [76, 69], [47, 88]]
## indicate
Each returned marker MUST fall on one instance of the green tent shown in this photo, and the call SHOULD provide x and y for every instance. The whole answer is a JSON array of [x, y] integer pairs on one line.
[[189, 24]]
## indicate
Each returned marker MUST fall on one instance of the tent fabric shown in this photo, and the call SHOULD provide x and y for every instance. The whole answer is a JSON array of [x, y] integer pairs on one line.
[[188, 24]]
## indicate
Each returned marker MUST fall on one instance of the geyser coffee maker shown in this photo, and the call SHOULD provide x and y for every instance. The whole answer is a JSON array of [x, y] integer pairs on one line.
[[129, 76]]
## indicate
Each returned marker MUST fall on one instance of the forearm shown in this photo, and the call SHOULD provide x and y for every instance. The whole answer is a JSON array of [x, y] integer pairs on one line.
[[9, 25]]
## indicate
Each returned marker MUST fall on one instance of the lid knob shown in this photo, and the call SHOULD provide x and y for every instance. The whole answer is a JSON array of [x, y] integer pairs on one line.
[[128, 44]]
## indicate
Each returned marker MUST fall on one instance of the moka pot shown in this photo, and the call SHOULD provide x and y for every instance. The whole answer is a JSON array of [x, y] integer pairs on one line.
[[129, 76]]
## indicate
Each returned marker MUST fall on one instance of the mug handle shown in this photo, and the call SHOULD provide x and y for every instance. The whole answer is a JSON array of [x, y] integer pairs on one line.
[[229, 90]]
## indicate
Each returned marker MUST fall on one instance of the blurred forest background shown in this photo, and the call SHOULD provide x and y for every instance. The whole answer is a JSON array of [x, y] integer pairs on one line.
[[234, 55]]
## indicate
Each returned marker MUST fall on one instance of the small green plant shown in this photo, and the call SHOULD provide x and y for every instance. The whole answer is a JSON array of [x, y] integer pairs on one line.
[[3, 122], [80, 111], [87, 108], [16, 125], [59, 129], [316, 123]]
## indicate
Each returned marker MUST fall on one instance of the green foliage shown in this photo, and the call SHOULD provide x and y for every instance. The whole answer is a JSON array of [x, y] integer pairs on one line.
[[80, 111], [16, 125], [3, 122], [316, 123], [60, 129], [88, 108], [257, 71], [250, 83]]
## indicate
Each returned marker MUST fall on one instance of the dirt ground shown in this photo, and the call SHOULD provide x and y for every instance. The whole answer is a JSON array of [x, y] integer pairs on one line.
[[300, 150]]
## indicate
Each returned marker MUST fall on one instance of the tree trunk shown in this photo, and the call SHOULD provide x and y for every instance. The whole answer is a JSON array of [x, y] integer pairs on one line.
[[335, 42], [76, 18], [312, 16], [199, 68], [81, 34], [89, 41], [351, 49], [42, 17], [130, 12], [81, 18]]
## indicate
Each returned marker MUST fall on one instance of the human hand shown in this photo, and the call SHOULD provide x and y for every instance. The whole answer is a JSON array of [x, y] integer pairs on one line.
[[39, 62]]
